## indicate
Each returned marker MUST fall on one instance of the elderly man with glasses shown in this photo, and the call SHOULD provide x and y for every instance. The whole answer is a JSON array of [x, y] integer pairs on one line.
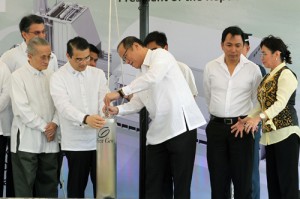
[[78, 90], [34, 144], [30, 26]]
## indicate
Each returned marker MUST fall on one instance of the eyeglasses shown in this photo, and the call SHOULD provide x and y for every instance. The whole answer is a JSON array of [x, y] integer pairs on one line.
[[80, 60], [37, 33], [46, 58], [124, 56]]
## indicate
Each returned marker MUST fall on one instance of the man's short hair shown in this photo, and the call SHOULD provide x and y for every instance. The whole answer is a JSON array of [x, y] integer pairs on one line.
[[36, 41], [159, 38], [28, 20], [233, 30], [94, 49], [79, 43], [246, 38], [128, 42]]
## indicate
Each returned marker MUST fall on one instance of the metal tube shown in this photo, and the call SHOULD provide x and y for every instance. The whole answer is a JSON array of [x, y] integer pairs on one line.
[[107, 160]]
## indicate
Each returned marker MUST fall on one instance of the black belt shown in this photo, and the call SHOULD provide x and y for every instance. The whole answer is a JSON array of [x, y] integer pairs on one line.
[[225, 120]]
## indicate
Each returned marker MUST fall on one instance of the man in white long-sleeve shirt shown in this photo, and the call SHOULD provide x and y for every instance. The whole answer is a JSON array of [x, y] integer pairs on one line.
[[156, 40], [230, 87], [5, 125], [78, 91], [30, 26], [34, 143], [153, 41], [171, 138]]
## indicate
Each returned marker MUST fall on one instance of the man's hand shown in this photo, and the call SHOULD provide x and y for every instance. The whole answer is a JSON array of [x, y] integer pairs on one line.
[[111, 97], [110, 110], [251, 125], [50, 131], [239, 127], [95, 121]]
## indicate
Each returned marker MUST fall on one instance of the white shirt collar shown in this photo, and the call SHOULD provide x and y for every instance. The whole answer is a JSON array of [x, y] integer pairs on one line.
[[24, 47], [147, 58], [34, 71], [243, 59], [75, 72]]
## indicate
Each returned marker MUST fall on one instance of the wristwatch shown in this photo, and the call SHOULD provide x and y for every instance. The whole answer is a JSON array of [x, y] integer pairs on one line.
[[262, 116], [120, 91], [84, 119]]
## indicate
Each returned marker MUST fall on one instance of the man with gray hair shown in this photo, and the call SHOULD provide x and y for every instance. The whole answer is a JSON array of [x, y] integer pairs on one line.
[[34, 145], [30, 26]]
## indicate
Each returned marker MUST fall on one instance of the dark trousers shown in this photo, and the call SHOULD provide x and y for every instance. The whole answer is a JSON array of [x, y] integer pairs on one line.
[[81, 164], [5, 152], [282, 168], [255, 169], [168, 184], [60, 157], [176, 155], [35, 174], [229, 158]]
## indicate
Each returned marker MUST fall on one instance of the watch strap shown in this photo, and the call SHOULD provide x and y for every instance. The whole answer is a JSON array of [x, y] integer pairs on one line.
[[120, 91]]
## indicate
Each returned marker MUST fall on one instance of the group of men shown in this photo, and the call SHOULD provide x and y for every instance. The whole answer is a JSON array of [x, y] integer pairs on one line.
[[46, 100], [39, 98]]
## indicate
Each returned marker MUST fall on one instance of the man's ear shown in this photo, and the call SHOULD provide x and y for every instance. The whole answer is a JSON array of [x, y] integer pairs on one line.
[[136, 45], [222, 45], [247, 48], [23, 34], [68, 56], [166, 47]]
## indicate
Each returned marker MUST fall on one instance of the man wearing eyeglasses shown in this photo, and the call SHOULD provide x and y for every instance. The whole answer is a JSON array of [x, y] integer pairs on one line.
[[153, 41], [78, 91], [34, 144], [31, 26], [171, 138]]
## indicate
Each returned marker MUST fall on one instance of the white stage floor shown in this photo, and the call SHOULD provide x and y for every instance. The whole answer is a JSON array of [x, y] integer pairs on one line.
[[128, 169]]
